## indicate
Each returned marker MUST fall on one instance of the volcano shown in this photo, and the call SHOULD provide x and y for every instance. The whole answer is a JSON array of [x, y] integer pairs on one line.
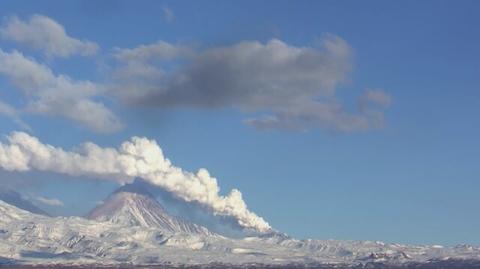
[[133, 205]]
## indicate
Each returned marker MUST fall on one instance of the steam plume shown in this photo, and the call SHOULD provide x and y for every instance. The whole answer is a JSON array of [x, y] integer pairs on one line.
[[139, 157]]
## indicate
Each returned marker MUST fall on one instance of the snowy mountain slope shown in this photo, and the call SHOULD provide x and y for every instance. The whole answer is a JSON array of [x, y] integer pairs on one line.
[[30, 238], [14, 198], [132, 205]]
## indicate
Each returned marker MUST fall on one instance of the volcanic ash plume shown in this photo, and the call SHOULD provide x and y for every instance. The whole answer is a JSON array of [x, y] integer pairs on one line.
[[139, 157]]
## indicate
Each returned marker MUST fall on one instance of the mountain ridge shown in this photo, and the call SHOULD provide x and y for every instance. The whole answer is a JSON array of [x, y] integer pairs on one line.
[[27, 238]]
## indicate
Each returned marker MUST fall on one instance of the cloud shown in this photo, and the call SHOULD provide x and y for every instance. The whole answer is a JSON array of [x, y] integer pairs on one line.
[[46, 35], [57, 95], [281, 85], [11, 112], [168, 14], [275, 84], [48, 201], [139, 157]]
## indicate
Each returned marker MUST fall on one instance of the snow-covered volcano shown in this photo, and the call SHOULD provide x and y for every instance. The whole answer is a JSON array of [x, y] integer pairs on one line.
[[133, 205]]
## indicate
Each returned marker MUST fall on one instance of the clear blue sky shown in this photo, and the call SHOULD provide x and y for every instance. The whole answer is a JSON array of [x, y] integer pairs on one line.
[[414, 180]]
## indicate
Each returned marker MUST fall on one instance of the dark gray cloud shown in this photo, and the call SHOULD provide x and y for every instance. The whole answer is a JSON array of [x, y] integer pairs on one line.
[[290, 87]]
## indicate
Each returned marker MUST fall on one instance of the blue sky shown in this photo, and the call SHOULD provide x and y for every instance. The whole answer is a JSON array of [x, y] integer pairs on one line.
[[414, 178]]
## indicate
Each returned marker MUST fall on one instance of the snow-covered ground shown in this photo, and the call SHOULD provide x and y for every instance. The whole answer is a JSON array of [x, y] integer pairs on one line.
[[131, 226]]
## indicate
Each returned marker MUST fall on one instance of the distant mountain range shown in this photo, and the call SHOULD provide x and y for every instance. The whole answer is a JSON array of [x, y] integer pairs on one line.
[[14, 198], [132, 227]]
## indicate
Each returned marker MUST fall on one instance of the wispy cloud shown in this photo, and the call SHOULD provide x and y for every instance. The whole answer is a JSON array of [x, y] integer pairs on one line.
[[376, 97], [168, 14], [11, 112], [49, 201]]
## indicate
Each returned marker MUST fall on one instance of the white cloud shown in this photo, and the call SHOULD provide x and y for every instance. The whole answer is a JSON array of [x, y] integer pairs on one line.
[[46, 35], [49, 201], [139, 157], [290, 87], [57, 95]]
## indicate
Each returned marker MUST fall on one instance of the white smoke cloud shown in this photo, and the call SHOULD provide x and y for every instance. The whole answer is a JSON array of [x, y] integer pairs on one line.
[[139, 157]]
